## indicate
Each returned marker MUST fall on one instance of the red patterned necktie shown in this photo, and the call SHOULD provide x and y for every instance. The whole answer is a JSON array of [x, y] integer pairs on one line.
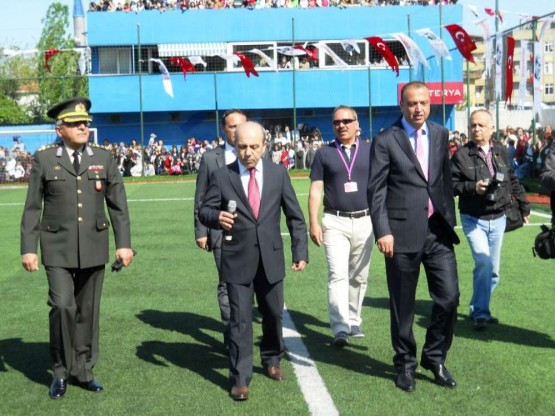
[[254, 193], [423, 164]]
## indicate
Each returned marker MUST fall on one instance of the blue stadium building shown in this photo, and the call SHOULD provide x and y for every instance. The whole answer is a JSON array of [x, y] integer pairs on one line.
[[130, 101]]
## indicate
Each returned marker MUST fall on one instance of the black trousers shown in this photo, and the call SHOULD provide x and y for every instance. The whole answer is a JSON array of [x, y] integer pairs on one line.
[[223, 301], [269, 298], [74, 300], [403, 269]]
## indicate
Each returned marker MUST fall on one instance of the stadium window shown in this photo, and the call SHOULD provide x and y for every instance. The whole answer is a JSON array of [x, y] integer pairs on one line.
[[114, 60], [267, 48], [548, 89], [548, 47], [548, 68]]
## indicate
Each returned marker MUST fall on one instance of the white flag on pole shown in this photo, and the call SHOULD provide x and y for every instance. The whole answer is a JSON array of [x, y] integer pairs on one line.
[[166, 79], [414, 53], [523, 73], [439, 47], [499, 66], [538, 58]]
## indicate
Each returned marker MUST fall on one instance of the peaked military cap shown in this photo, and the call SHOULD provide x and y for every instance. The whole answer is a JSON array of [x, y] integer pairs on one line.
[[74, 109]]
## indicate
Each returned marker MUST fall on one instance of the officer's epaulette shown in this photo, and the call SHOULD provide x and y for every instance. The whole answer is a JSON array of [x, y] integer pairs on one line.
[[49, 146]]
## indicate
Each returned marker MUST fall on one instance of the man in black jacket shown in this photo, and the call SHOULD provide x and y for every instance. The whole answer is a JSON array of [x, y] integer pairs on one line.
[[547, 177], [485, 183]]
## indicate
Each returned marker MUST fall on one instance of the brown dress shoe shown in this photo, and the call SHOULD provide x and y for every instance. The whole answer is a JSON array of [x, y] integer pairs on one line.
[[275, 373], [239, 393]]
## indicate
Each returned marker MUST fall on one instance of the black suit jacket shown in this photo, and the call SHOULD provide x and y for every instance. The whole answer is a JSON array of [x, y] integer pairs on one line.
[[398, 190], [210, 161], [255, 240]]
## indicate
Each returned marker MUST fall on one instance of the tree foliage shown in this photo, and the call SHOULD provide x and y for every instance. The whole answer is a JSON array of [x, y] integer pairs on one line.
[[63, 80], [27, 88], [11, 113]]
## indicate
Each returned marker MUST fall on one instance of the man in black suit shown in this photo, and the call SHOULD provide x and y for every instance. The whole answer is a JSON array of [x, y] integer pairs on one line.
[[410, 196], [252, 258], [207, 238]]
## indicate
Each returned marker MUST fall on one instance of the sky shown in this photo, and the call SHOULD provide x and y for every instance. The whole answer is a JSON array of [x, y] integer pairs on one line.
[[20, 21], [21, 26]]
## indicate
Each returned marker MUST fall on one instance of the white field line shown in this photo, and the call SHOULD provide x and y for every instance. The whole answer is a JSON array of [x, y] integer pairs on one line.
[[312, 386]]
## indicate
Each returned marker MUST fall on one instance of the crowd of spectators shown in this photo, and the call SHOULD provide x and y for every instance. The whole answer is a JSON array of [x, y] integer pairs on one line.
[[293, 148], [163, 5], [15, 162]]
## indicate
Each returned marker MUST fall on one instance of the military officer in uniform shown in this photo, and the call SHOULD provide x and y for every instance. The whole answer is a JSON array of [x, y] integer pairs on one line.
[[69, 186]]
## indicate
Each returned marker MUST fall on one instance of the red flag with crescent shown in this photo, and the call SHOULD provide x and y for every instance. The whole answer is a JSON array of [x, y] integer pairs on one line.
[[381, 47], [48, 54], [462, 40], [492, 12], [185, 65], [509, 68], [248, 66], [311, 53]]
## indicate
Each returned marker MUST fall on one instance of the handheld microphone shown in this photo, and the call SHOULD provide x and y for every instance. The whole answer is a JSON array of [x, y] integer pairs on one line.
[[231, 208]]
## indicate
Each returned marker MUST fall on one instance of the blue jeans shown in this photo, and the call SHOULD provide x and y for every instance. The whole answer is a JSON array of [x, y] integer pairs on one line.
[[485, 238]]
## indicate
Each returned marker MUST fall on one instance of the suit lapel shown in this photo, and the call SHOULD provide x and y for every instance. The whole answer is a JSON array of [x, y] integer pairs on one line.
[[434, 154], [220, 159], [267, 180], [64, 160], [86, 158]]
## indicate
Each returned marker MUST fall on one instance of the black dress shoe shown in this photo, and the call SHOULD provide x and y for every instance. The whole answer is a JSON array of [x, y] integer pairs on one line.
[[405, 380], [441, 374], [92, 385], [239, 393], [58, 388]]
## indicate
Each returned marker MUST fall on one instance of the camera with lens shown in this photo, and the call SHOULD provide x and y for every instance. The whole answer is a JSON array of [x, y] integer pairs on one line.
[[493, 185]]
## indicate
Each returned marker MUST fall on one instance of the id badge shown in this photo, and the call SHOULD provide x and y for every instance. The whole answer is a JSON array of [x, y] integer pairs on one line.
[[351, 187]]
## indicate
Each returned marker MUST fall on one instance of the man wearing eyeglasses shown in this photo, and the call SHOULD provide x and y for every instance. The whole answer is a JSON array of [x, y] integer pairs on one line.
[[211, 239], [340, 170], [411, 201], [69, 186]]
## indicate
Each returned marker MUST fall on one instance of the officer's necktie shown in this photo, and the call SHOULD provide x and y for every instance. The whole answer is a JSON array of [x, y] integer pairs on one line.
[[76, 161]]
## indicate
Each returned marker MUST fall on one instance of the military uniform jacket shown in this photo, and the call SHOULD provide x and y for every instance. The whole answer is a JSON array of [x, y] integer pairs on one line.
[[66, 211]]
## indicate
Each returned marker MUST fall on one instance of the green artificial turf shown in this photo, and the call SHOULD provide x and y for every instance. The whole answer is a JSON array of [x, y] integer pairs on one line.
[[161, 343]]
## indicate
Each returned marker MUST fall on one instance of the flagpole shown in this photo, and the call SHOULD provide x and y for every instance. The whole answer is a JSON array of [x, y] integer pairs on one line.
[[408, 34], [369, 102], [467, 92], [141, 122], [442, 62], [294, 138], [534, 27], [216, 105], [496, 96]]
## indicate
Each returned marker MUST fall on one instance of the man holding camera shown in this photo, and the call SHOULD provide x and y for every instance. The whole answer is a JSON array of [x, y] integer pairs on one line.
[[485, 183]]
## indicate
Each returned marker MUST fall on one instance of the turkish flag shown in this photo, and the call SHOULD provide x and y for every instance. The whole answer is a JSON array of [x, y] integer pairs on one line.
[[381, 47], [311, 53], [491, 12], [509, 68], [48, 54], [248, 66], [464, 43], [185, 65]]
